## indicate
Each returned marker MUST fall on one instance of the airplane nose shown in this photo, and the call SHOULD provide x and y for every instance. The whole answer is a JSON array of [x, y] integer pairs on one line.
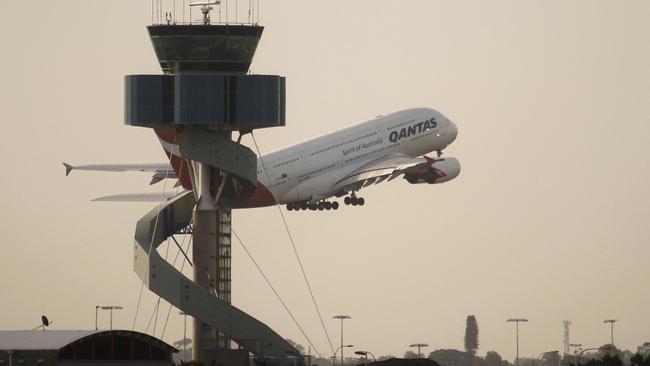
[[453, 130]]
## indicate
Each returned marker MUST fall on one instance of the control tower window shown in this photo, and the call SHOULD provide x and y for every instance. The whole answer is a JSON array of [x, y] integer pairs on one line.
[[205, 48]]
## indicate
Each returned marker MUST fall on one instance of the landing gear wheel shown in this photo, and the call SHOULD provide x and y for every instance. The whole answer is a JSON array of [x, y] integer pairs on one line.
[[361, 201], [347, 201], [303, 206], [328, 205], [354, 201], [312, 207], [321, 206], [335, 205]]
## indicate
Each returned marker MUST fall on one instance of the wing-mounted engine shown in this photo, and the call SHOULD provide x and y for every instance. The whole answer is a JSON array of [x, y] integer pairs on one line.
[[437, 171]]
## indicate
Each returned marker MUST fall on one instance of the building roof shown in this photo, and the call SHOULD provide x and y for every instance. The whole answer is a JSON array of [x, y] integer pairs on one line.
[[58, 339]]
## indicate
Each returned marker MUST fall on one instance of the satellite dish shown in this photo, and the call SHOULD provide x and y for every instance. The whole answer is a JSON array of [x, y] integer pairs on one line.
[[45, 322]]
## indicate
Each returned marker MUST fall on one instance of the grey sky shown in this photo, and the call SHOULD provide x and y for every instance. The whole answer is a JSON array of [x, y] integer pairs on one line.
[[548, 219]]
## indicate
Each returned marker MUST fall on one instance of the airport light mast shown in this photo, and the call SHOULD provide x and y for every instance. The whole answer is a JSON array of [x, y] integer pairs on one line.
[[342, 317], [204, 95], [517, 321], [611, 325], [106, 307], [419, 346]]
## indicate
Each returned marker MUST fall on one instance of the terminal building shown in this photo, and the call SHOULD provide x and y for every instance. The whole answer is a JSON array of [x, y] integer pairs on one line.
[[81, 348]]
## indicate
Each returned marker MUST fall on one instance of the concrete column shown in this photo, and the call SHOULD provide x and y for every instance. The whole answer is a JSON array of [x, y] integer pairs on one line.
[[204, 256], [205, 252]]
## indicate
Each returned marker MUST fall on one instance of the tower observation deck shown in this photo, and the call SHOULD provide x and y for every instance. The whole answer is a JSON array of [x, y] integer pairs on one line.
[[203, 95], [224, 49]]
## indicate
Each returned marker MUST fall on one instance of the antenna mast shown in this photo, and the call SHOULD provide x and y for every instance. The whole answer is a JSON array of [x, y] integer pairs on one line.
[[567, 342], [206, 8]]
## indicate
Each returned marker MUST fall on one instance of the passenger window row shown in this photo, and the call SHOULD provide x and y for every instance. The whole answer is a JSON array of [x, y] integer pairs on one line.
[[342, 144], [286, 162], [316, 171], [368, 154], [277, 184], [403, 124]]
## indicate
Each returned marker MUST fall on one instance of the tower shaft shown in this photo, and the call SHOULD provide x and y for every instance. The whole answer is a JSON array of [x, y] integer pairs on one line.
[[204, 256], [211, 254], [212, 261]]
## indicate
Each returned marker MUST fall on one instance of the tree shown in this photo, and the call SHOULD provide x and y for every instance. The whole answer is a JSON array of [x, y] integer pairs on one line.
[[411, 355], [385, 357], [639, 360], [493, 359], [471, 335], [606, 360], [551, 359], [450, 357]]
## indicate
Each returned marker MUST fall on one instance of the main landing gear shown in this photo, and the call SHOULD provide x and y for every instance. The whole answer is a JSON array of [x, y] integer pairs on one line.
[[354, 200], [351, 200], [320, 206]]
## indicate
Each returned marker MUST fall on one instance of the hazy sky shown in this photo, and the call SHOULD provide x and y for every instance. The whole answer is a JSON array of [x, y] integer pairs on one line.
[[548, 219]]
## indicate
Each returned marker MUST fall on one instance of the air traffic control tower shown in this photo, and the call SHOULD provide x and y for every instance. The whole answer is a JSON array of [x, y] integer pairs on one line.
[[204, 95]]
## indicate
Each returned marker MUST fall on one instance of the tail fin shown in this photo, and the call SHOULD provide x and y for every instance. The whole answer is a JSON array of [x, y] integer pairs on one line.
[[68, 168]]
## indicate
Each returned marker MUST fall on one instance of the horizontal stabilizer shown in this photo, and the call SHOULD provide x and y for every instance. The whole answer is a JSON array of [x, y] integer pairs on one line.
[[161, 171], [140, 197], [155, 168]]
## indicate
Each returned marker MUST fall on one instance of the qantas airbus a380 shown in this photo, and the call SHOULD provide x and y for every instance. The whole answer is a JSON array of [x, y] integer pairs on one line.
[[310, 174]]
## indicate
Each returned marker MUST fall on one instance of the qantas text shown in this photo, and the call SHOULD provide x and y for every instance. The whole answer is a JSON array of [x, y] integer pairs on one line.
[[412, 130]]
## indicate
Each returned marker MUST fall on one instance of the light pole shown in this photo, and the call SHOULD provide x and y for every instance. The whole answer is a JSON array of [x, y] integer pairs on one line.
[[517, 321], [419, 345], [365, 353], [106, 307], [10, 352], [611, 324], [547, 353], [362, 353], [583, 351], [337, 350], [342, 317], [592, 349]]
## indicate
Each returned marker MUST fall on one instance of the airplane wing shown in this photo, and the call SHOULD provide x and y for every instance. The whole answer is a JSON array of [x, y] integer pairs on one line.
[[140, 197], [161, 171], [386, 168]]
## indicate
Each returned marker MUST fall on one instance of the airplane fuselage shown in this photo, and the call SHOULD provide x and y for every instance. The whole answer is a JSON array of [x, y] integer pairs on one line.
[[307, 170]]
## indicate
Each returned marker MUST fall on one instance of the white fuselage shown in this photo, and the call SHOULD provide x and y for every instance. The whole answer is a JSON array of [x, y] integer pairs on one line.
[[309, 170]]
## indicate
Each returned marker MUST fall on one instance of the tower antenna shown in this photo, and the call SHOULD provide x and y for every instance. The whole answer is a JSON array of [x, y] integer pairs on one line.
[[206, 8]]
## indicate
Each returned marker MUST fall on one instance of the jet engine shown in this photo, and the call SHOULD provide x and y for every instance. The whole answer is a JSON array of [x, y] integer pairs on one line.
[[438, 171]]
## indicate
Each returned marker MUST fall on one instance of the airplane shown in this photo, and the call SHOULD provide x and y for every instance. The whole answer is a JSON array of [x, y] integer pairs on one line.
[[310, 175]]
